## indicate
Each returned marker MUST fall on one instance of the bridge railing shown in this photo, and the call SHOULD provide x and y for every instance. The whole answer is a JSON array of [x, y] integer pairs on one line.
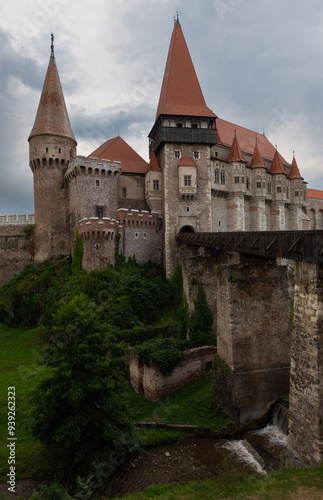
[[294, 245]]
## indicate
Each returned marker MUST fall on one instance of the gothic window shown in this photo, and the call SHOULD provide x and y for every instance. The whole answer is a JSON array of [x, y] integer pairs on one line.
[[258, 185], [222, 177], [242, 180], [296, 194], [248, 183], [279, 189], [196, 155], [177, 154], [156, 185], [269, 187], [216, 176], [187, 180], [236, 180], [99, 212]]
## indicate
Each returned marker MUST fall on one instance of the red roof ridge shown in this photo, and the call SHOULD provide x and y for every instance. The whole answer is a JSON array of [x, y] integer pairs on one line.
[[294, 172], [277, 166], [52, 116], [235, 151], [116, 149], [186, 161], [257, 161], [153, 164], [314, 193], [181, 93]]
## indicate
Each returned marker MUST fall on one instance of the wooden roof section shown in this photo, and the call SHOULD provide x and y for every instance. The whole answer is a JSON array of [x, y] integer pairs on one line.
[[52, 117], [181, 93], [117, 149]]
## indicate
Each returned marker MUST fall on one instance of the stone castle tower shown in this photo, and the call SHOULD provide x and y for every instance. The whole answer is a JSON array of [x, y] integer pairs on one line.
[[180, 139], [52, 146]]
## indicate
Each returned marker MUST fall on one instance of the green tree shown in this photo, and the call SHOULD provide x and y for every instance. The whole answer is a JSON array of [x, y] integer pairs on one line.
[[79, 410], [77, 254], [184, 319], [177, 285], [202, 321]]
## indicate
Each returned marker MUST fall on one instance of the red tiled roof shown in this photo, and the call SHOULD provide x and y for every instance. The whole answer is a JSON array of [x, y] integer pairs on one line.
[[187, 162], [294, 171], [315, 193], [225, 132], [181, 93], [257, 161], [277, 166], [52, 117], [117, 149], [153, 164], [235, 151]]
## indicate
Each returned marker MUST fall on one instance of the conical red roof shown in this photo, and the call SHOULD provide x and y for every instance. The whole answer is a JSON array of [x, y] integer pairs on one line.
[[117, 149], [294, 172], [235, 152], [153, 164], [277, 166], [181, 93], [52, 117], [257, 161]]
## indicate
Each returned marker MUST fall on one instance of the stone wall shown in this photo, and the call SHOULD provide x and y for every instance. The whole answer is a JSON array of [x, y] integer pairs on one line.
[[306, 382], [150, 382], [250, 299], [16, 251]]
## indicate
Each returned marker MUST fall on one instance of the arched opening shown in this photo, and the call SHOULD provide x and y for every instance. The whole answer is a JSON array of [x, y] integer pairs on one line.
[[187, 229]]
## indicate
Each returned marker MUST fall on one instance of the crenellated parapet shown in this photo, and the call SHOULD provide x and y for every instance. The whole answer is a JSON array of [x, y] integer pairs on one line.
[[82, 165], [135, 219], [21, 219], [95, 228]]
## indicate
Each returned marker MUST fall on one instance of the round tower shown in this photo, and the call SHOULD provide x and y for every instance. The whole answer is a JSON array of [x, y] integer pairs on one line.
[[52, 146]]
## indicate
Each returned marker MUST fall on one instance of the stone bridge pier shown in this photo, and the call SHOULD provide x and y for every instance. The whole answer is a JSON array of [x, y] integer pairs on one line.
[[251, 300], [306, 372], [268, 317]]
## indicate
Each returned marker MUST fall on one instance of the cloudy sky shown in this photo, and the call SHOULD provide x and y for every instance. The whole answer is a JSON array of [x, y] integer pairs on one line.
[[259, 64]]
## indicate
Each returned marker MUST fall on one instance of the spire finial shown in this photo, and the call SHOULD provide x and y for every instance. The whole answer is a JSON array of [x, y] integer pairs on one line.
[[293, 153], [235, 133], [256, 141], [176, 19], [52, 44]]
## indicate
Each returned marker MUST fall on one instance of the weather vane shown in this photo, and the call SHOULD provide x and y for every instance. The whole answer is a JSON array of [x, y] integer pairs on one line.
[[52, 45]]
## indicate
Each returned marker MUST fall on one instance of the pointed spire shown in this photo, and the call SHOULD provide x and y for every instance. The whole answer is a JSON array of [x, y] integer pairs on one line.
[[277, 166], [257, 161], [153, 164], [294, 172], [181, 93], [52, 117], [235, 151]]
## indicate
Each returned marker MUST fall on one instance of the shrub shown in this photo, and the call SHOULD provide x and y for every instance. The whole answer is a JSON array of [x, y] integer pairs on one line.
[[164, 353]]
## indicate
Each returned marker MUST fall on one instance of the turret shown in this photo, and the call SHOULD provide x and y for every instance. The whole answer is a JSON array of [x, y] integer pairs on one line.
[[52, 146]]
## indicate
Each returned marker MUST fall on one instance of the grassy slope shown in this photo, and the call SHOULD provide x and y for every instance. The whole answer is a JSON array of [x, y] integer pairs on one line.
[[20, 352], [292, 484], [190, 405]]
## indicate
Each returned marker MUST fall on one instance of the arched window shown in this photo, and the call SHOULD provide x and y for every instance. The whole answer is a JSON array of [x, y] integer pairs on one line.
[[223, 177], [217, 176]]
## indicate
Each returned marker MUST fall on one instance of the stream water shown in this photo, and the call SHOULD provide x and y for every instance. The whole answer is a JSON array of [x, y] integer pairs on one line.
[[198, 459]]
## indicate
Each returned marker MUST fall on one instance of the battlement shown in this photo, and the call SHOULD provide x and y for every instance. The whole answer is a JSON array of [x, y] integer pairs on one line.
[[95, 228], [136, 219], [21, 219], [92, 166]]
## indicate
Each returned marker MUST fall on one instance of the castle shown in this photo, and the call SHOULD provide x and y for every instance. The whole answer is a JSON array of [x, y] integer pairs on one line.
[[204, 174]]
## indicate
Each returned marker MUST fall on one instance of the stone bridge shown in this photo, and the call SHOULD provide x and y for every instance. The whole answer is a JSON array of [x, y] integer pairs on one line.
[[266, 294]]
